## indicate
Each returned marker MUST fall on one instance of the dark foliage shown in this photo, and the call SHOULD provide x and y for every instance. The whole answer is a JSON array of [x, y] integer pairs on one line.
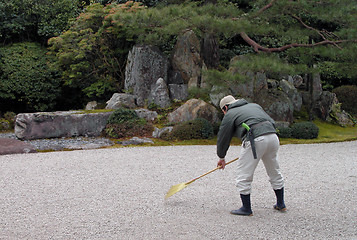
[[198, 128], [304, 130], [284, 132], [123, 123]]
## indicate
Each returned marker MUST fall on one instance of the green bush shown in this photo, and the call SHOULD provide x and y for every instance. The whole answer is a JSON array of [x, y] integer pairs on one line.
[[284, 132], [10, 117], [4, 124], [198, 128], [346, 95], [123, 115], [304, 130], [124, 123], [26, 79]]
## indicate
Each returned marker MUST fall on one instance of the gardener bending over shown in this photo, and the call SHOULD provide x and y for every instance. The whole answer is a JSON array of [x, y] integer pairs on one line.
[[256, 129]]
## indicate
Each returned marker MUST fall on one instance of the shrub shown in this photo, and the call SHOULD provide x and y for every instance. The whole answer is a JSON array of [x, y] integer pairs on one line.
[[123, 115], [10, 117], [347, 97], [304, 130], [198, 128], [284, 132], [26, 78], [126, 123]]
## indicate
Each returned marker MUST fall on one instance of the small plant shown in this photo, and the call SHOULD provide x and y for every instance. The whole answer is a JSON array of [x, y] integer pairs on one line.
[[198, 128], [304, 130]]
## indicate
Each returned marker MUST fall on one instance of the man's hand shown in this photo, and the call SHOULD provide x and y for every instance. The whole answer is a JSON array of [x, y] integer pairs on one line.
[[221, 163]]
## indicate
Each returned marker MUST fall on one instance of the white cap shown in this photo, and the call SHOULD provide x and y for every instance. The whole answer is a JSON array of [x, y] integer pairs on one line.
[[227, 100]]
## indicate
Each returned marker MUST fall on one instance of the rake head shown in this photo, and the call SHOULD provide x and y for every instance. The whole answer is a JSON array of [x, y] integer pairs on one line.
[[174, 189]]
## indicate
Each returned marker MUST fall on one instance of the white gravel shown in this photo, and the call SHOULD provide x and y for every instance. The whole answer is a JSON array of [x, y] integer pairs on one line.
[[119, 194]]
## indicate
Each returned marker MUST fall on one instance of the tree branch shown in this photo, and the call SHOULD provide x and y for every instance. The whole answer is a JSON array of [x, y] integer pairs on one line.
[[258, 48]]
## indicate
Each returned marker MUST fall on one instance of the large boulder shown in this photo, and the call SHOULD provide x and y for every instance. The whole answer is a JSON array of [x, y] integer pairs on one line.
[[119, 100], [192, 109], [159, 94], [59, 124], [145, 65], [186, 58], [13, 146], [178, 91], [276, 103], [292, 94]]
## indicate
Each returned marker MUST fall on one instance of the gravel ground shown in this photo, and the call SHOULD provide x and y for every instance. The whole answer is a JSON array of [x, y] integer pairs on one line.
[[57, 144], [119, 194]]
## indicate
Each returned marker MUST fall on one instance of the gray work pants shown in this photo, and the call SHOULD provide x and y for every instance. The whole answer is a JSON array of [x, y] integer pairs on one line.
[[267, 147]]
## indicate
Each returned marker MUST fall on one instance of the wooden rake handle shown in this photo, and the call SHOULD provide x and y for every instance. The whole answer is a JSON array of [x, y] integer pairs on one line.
[[210, 171]]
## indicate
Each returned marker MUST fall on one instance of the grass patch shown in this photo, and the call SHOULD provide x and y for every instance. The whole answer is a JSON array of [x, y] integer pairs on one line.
[[327, 133]]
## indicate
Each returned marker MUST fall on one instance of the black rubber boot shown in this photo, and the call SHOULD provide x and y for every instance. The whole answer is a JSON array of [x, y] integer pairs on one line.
[[280, 204], [246, 209]]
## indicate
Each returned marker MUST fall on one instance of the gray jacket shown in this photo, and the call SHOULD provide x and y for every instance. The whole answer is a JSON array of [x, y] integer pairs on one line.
[[238, 113]]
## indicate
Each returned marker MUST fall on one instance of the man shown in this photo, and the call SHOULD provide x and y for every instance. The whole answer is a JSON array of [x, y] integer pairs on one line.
[[260, 142]]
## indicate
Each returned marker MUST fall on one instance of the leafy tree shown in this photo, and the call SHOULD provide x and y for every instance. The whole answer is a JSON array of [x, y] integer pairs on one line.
[[35, 20], [27, 83], [91, 54], [279, 37]]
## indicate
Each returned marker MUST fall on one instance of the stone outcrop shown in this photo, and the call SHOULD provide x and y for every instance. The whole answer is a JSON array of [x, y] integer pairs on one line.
[[186, 58], [159, 94], [145, 65], [159, 131], [148, 115], [91, 105], [121, 100], [178, 91], [292, 94], [192, 109], [59, 124], [277, 104], [13, 146]]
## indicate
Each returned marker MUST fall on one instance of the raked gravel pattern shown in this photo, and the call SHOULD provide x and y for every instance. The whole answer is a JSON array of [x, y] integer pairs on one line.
[[118, 193], [58, 144]]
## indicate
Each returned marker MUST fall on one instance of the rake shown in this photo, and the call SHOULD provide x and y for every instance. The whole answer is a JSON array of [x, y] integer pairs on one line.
[[176, 188]]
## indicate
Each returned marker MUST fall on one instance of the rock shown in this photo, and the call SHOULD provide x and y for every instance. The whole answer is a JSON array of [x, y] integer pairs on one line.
[[145, 65], [13, 146], [260, 81], [186, 58], [91, 105], [276, 103], [59, 124], [159, 94], [272, 83], [136, 141], [148, 115], [328, 108], [316, 87], [192, 109], [292, 93], [159, 131], [298, 81], [175, 77], [323, 105], [217, 93], [210, 51], [178, 91], [121, 100]]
